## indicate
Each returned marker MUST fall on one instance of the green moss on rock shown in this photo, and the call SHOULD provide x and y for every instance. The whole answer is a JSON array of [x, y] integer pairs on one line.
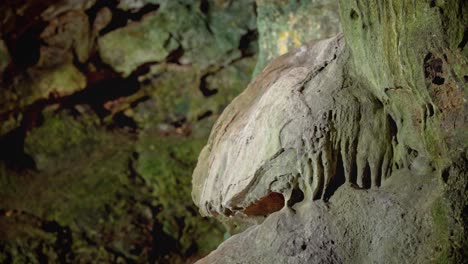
[[166, 163], [127, 48], [205, 39], [38, 83]]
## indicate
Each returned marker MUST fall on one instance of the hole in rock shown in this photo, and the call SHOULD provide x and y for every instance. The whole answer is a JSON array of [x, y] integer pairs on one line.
[[297, 196], [338, 180], [121, 120], [246, 40], [430, 109], [175, 55], [445, 175], [438, 80], [392, 127], [206, 91], [354, 15], [205, 115], [204, 6], [269, 204], [464, 40]]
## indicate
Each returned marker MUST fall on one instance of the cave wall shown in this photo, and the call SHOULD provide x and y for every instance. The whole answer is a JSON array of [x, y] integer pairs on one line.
[[363, 136], [104, 108]]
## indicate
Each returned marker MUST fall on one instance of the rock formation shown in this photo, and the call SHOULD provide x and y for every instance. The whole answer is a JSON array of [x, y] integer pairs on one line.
[[351, 149], [104, 107]]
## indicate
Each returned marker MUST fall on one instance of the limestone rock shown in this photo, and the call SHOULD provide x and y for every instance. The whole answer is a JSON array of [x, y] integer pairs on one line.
[[289, 130], [350, 142], [127, 48]]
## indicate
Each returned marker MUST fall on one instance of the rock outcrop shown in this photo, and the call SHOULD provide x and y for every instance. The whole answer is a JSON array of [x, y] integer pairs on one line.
[[361, 138]]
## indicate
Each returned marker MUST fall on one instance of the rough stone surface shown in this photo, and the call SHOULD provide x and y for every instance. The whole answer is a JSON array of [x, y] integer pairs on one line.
[[158, 34], [289, 130], [96, 154], [355, 136]]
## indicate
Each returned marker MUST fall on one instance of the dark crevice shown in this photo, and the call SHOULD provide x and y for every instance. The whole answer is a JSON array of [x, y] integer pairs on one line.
[[438, 80], [24, 49], [366, 177], [337, 180], [245, 42], [464, 40], [105, 85], [120, 18], [178, 122], [433, 69], [353, 172], [123, 121], [206, 91], [63, 244], [97, 94], [430, 110], [94, 10], [297, 196], [175, 55], [163, 243], [205, 115], [204, 6], [354, 15], [12, 144], [445, 175], [379, 175], [393, 128]]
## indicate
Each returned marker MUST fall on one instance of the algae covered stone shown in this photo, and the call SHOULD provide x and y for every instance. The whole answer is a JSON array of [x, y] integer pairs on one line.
[[203, 37], [127, 48]]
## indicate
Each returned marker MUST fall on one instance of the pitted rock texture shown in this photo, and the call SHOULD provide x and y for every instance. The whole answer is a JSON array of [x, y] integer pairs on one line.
[[295, 127]]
